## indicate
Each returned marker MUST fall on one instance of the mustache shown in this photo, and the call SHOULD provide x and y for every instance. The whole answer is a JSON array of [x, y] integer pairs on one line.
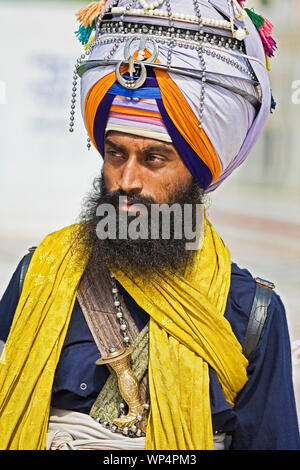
[[132, 197]]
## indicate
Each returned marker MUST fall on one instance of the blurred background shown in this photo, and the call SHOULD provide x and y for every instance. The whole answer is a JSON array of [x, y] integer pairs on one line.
[[45, 171]]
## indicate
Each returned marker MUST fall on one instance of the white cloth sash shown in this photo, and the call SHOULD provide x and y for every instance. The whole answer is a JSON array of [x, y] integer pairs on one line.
[[70, 430]]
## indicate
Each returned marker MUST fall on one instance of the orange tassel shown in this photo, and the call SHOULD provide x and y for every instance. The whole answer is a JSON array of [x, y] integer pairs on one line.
[[88, 14]]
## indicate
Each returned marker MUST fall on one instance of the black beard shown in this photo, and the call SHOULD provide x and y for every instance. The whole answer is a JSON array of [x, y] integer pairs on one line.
[[140, 257]]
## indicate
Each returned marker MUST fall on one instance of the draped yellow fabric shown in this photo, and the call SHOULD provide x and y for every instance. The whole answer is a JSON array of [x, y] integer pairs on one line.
[[187, 333], [35, 341]]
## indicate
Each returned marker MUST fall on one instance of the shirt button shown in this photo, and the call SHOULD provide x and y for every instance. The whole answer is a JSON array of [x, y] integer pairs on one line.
[[83, 386]]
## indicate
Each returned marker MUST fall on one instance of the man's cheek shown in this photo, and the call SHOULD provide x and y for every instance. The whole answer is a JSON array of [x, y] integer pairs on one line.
[[110, 178]]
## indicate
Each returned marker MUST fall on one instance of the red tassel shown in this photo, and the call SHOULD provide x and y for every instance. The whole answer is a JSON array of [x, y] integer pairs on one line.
[[265, 32]]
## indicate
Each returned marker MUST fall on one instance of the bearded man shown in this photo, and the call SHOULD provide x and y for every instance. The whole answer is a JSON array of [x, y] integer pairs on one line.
[[132, 331]]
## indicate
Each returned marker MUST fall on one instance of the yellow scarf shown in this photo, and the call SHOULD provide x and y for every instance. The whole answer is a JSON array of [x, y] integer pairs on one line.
[[188, 332]]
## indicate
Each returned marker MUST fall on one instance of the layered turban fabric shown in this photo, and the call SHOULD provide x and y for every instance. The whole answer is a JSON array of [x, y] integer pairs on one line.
[[167, 106], [141, 118]]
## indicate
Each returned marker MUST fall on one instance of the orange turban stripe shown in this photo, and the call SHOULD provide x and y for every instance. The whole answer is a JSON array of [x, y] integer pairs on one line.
[[187, 123], [93, 100]]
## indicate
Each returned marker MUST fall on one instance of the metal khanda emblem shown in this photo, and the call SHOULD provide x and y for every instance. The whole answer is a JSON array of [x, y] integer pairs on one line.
[[137, 70], [128, 386]]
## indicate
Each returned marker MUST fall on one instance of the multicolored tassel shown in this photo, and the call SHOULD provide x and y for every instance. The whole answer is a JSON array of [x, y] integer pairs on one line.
[[90, 41], [83, 34], [273, 104], [88, 17], [264, 27], [268, 65], [90, 13]]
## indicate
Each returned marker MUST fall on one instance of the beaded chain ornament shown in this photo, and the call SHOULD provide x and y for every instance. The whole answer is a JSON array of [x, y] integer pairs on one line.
[[91, 33], [107, 23]]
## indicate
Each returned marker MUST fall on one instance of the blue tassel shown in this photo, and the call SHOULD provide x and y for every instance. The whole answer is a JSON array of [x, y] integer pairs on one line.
[[273, 104], [83, 34]]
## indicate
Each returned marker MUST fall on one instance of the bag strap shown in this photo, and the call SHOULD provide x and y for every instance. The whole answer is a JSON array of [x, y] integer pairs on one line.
[[24, 267], [258, 315]]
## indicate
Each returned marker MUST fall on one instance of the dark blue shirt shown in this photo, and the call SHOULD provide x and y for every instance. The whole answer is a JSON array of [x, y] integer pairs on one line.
[[264, 416]]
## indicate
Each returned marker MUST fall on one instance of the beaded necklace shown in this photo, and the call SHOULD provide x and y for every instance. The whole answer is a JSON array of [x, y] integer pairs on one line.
[[134, 430]]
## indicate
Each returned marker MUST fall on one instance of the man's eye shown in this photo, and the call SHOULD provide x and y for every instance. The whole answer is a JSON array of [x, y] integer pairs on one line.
[[155, 158], [113, 153]]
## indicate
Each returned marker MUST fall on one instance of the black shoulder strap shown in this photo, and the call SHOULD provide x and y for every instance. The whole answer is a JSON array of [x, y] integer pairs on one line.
[[24, 268], [258, 315]]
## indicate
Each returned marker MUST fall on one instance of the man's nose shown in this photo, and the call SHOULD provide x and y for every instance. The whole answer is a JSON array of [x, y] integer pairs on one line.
[[131, 178]]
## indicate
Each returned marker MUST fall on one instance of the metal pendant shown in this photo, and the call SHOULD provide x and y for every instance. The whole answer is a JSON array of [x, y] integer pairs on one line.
[[136, 65], [132, 82]]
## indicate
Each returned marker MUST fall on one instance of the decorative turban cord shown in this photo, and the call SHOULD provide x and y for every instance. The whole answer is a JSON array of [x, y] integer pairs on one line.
[[188, 332]]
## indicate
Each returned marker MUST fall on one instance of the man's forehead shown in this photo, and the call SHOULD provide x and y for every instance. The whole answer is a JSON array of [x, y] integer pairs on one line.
[[140, 141]]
